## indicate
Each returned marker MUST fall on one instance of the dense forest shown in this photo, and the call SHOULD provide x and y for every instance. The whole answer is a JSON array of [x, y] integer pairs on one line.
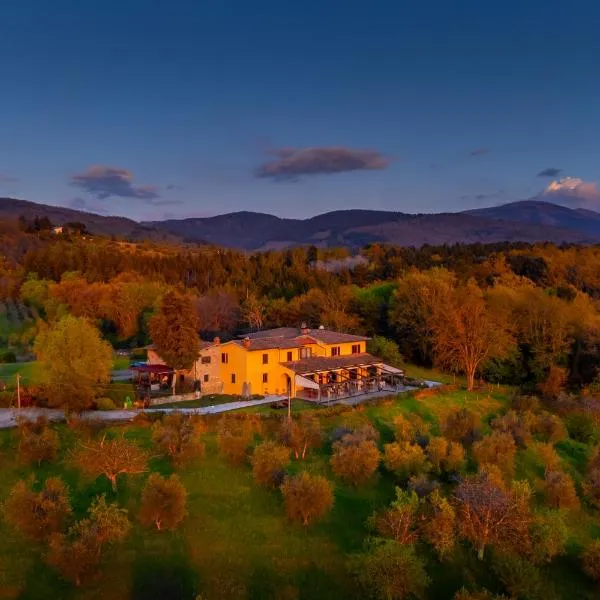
[[536, 304]]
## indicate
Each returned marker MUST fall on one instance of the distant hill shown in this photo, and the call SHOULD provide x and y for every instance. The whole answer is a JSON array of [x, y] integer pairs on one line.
[[11, 208], [526, 221], [539, 212]]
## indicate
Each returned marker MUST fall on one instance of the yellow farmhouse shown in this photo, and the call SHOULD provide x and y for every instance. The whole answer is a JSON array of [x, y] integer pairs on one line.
[[315, 364]]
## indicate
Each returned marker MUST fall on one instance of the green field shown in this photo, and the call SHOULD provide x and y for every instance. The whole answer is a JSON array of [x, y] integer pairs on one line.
[[236, 542]]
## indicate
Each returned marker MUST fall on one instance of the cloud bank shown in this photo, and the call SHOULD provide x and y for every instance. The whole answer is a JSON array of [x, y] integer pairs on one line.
[[292, 163], [106, 182]]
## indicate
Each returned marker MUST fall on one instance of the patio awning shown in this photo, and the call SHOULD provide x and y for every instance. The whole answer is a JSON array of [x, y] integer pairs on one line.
[[306, 383], [393, 370]]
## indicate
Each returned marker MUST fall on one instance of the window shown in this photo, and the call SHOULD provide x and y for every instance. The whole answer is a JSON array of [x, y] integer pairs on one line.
[[289, 357], [305, 352], [205, 360], [355, 348], [265, 378], [181, 377], [206, 377], [335, 351], [224, 358], [233, 378], [265, 359]]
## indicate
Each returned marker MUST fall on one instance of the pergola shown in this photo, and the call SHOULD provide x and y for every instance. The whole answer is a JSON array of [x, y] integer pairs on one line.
[[322, 379], [153, 378]]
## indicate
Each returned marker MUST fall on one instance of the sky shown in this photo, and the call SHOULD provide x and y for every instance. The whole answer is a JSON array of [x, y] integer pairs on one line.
[[175, 109]]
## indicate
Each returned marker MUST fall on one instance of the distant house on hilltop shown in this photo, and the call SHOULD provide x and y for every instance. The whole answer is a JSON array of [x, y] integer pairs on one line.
[[316, 364]]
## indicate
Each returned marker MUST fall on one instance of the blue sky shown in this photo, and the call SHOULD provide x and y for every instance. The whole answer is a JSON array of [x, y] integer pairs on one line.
[[153, 109]]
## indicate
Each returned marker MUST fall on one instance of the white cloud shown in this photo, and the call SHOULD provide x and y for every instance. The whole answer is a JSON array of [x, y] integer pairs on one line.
[[573, 192]]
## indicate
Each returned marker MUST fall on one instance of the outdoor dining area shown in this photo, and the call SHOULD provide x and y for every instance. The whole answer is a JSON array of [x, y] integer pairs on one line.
[[323, 380]]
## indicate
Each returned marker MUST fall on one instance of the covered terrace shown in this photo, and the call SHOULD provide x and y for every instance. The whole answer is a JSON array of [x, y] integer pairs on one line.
[[325, 379]]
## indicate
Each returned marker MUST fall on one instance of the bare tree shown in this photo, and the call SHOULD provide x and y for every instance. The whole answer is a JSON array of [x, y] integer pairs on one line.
[[110, 457]]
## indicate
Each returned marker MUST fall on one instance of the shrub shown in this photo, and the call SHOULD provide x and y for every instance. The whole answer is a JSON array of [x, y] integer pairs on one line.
[[550, 428], [79, 552], [306, 497], [521, 578], [461, 426], [399, 522], [268, 463], [438, 524], [355, 462], [517, 425], [163, 502], [549, 535], [560, 491], [105, 404], [37, 441], [445, 455], [233, 439], [497, 449], [390, 571], [548, 456], [404, 459], [177, 436], [302, 434], [36, 515], [591, 560], [8, 356], [581, 428]]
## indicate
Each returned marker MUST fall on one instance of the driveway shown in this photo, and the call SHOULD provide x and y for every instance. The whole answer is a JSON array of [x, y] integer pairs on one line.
[[8, 416]]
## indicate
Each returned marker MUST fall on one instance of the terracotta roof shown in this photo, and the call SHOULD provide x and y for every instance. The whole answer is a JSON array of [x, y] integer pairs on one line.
[[326, 336], [271, 343], [329, 363]]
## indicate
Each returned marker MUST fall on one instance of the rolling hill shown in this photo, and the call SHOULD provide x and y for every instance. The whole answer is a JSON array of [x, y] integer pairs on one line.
[[527, 221]]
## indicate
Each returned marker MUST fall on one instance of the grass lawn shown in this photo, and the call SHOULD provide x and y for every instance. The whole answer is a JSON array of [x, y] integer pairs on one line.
[[29, 372], [236, 542]]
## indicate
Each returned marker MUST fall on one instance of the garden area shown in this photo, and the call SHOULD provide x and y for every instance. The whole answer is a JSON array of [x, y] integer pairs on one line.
[[334, 505]]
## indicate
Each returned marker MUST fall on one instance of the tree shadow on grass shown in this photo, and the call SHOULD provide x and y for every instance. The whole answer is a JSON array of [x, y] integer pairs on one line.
[[165, 576]]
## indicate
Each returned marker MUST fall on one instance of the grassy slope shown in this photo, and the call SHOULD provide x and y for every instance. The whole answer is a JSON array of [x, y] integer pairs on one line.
[[236, 542]]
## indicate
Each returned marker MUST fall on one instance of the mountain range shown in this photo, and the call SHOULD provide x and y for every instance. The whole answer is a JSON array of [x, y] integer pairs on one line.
[[528, 221]]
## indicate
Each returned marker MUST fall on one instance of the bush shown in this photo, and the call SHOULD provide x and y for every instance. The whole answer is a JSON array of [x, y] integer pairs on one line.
[[163, 502], [120, 394], [355, 462], [36, 515], [105, 404], [461, 426], [307, 497], [233, 439], [497, 449], [521, 578], [591, 560], [581, 428], [445, 455], [404, 459], [8, 356], [560, 491], [177, 436], [268, 463], [399, 522], [37, 441], [390, 571]]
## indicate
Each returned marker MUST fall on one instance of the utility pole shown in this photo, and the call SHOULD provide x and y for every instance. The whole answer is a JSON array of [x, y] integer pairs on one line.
[[19, 391]]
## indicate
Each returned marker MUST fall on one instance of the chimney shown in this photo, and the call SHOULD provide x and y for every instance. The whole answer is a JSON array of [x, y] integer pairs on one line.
[[304, 330], [246, 342], [217, 341]]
